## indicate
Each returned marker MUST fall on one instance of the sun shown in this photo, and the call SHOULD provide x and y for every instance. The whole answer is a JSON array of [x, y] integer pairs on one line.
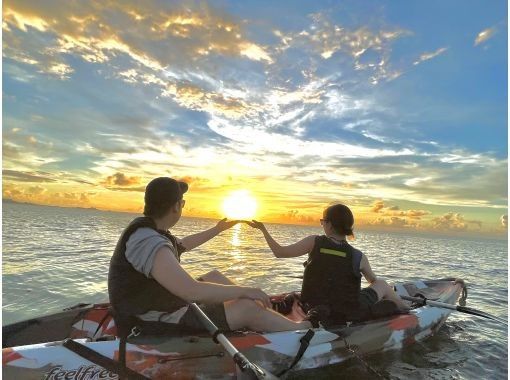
[[240, 204]]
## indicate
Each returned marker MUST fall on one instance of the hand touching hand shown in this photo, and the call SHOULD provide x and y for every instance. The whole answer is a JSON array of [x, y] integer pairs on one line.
[[257, 295], [225, 225]]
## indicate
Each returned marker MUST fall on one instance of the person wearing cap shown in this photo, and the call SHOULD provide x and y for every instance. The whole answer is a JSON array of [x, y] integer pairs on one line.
[[146, 282], [331, 290]]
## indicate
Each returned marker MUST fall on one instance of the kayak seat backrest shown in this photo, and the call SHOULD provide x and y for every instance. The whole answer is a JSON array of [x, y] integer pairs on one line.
[[426, 292]]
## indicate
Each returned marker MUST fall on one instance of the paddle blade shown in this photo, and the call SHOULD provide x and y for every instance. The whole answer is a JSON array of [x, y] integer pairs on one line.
[[468, 310]]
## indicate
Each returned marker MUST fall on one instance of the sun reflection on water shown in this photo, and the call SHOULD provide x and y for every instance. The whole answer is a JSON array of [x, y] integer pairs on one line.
[[236, 233]]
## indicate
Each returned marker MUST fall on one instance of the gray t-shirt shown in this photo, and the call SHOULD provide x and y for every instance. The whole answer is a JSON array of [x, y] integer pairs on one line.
[[142, 246]]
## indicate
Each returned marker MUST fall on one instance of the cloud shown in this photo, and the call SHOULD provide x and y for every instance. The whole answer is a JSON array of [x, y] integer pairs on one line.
[[378, 205], [395, 212], [452, 221], [393, 222], [428, 56], [120, 179], [151, 34], [484, 35], [369, 50], [36, 190], [504, 220], [295, 216], [27, 177], [41, 195]]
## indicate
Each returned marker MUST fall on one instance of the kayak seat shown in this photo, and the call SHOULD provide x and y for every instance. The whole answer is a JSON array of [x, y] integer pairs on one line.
[[289, 305], [284, 305]]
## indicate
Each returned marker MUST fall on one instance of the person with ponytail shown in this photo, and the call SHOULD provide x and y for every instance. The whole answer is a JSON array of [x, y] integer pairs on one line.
[[331, 291]]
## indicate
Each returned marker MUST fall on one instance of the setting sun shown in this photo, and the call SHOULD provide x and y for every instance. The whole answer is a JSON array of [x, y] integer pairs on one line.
[[240, 204]]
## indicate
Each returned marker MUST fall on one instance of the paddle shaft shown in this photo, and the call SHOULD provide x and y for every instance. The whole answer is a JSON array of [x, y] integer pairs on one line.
[[244, 364], [462, 309]]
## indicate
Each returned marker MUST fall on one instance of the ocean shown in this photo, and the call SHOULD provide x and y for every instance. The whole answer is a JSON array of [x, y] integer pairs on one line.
[[56, 257]]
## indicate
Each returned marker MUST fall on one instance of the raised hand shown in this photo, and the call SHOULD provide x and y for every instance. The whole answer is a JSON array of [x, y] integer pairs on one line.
[[256, 224], [225, 225]]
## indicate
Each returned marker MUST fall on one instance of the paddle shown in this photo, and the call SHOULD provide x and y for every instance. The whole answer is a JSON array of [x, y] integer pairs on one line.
[[462, 309], [248, 368]]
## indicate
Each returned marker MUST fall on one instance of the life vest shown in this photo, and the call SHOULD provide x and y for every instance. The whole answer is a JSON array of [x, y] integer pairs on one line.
[[131, 292], [332, 278]]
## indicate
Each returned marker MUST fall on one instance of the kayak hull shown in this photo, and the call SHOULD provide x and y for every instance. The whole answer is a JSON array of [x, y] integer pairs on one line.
[[197, 356]]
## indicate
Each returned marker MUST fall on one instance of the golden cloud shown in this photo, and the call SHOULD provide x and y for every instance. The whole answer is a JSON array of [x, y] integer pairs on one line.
[[377, 206], [120, 179], [453, 221], [484, 35], [194, 97], [40, 195], [395, 212], [148, 32]]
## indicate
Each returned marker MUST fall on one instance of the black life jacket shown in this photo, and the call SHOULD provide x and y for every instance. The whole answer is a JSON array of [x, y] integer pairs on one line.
[[131, 292], [332, 278]]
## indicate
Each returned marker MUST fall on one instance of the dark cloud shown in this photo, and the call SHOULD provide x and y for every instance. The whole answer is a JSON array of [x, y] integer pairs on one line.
[[27, 177]]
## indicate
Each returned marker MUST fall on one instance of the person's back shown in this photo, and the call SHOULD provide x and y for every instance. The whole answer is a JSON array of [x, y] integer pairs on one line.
[[332, 278], [129, 288]]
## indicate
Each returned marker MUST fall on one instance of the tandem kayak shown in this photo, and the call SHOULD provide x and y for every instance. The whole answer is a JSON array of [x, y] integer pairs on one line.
[[36, 349]]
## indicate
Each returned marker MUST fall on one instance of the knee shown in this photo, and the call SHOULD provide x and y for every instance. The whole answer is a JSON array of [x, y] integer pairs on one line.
[[240, 313], [249, 307], [212, 276], [215, 273]]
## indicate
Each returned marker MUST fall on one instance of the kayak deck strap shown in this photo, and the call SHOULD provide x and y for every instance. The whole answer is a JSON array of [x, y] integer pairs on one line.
[[101, 360], [305, 342]]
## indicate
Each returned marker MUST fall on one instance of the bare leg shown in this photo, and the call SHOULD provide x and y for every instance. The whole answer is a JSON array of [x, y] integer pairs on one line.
[[384, 291], [251, 314], [246, 313], [216, 277]]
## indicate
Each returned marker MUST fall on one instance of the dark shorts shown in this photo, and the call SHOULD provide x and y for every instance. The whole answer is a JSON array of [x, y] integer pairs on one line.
[[215, 312], [367, 297]]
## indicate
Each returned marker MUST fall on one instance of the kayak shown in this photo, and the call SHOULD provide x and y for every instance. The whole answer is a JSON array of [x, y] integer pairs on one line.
[[36, 349]]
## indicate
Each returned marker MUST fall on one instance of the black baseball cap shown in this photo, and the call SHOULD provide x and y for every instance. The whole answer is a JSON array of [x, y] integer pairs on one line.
[[164, 190]]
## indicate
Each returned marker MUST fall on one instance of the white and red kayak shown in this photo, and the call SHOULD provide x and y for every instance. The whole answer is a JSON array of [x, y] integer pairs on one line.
[[34, 349]]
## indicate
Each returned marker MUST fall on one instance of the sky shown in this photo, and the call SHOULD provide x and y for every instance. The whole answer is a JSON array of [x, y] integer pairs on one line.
[[397, 109]]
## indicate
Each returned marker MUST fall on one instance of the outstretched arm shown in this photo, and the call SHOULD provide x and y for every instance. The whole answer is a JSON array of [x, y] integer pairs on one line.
[[300, 248], [193, 241]]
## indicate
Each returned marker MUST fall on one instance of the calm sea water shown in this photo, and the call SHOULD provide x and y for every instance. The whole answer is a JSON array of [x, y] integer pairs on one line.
[[55, 257]]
